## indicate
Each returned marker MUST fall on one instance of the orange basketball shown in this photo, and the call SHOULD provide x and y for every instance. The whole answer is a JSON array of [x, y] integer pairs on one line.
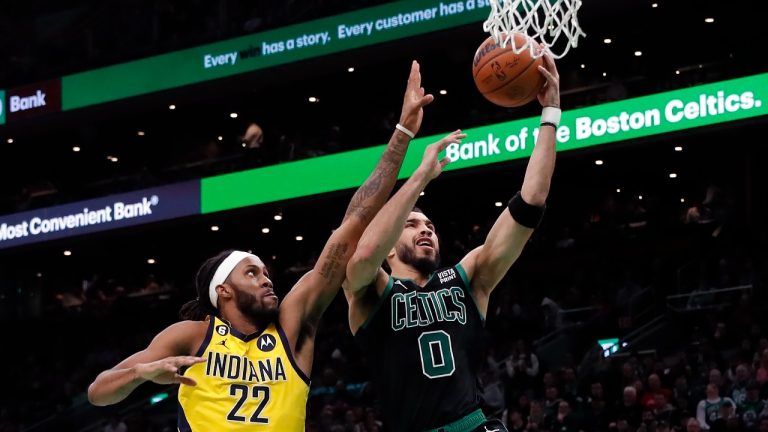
[[505, 78]]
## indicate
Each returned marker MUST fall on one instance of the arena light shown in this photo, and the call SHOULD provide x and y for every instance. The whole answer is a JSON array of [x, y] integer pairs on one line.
[[350, 69], [583, 66], [112, 158], [233, 115], [655, 5], [598, 162], [171, 107], [299, 238], [140, 133], [498, 203], [39, 274], [10, 140], [605, 74], [265, 230], [618, 190], [607, 40], [421, 194], [709, 20], [677, 72], [278, 217], [151, 261], [75, 149], [678, 149], [67, 253], [640, 197], [220, 138], [214, 228], [638, 53], [313, 99], [682, 200], [443, 92], [672, 175], [156, 399]]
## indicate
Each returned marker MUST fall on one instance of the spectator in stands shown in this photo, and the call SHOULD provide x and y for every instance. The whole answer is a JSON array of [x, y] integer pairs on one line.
[[738, 391], [654, 388], [709, 409], [551, 401], [693, 425], [663, 410], [536, 417], [762, 370], [629, 409], [563, 420], [568, 383], [682, 393], [648, 423], [596, 416], [628, 376], [522, 365], [751, 408], [515, 422], [727, 420]]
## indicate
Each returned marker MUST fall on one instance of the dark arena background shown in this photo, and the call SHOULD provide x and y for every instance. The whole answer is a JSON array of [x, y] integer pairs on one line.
[[138, 138]]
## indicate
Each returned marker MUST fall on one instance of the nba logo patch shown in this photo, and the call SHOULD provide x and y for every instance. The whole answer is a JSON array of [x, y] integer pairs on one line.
[[222, 330], [266, 342]]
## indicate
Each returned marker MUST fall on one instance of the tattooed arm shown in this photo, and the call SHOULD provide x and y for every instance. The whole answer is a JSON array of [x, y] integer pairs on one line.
[[314, 292]]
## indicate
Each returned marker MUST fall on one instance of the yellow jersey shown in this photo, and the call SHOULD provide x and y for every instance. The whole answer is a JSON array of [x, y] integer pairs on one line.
[[247, 383]]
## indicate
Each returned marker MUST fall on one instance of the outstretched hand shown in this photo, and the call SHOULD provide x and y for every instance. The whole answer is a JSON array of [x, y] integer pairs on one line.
[[414, 100], [430, 166], [166, 371], [550, 93]]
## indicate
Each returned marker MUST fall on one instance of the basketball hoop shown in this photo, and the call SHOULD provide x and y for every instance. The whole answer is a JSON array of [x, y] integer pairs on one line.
[[552, 23]]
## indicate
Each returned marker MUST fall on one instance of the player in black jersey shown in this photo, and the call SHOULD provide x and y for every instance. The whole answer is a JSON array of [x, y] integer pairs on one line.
[[421, 327]]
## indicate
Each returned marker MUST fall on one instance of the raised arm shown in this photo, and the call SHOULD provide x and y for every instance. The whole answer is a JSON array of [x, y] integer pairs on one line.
[[314, 292], [158, 363], [382, 234], [486, 265]]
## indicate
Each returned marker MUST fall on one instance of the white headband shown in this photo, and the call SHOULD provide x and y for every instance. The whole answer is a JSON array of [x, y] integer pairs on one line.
[[223, 271]]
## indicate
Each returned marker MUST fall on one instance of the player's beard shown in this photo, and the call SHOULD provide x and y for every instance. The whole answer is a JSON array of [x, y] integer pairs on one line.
[[424, 265], [249, 305]]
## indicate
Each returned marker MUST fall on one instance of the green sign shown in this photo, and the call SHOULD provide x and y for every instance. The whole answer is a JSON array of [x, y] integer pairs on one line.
[[261, 50], [2, 107], [609, 346], [601, 124]]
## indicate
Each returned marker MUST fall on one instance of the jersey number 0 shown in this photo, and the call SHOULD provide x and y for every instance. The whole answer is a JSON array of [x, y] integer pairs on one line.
[[436, 354]]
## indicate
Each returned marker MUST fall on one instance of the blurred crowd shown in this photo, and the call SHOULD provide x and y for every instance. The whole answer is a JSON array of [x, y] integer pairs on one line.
[[544, 369]]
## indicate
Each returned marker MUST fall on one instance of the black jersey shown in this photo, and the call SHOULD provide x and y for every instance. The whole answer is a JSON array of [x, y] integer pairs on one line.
[[425, 347]]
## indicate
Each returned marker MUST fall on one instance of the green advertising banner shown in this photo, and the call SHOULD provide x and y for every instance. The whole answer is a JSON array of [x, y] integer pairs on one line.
[[261, 50], [2, 107], [601, 124]]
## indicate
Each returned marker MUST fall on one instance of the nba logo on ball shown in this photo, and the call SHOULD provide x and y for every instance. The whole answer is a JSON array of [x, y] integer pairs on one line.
[[266, 342], [2, 106]]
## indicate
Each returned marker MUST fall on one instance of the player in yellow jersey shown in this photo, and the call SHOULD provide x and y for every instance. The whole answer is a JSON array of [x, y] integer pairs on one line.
[[246, 366]]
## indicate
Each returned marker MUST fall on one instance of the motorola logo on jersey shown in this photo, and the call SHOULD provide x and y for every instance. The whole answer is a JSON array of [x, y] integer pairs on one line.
[[266, 342], [222, 330]]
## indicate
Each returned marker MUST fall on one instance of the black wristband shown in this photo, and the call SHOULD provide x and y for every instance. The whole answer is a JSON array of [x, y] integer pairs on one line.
[[549, 124], [525, 214]]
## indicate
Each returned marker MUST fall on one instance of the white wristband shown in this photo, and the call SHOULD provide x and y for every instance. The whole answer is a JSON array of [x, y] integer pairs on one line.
[[551, 115], [402, 129]]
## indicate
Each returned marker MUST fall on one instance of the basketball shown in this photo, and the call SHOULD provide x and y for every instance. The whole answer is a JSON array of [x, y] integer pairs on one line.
[[505, 78]]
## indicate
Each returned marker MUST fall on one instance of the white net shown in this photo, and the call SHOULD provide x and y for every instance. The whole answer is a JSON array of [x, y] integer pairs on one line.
[[552, 23]]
